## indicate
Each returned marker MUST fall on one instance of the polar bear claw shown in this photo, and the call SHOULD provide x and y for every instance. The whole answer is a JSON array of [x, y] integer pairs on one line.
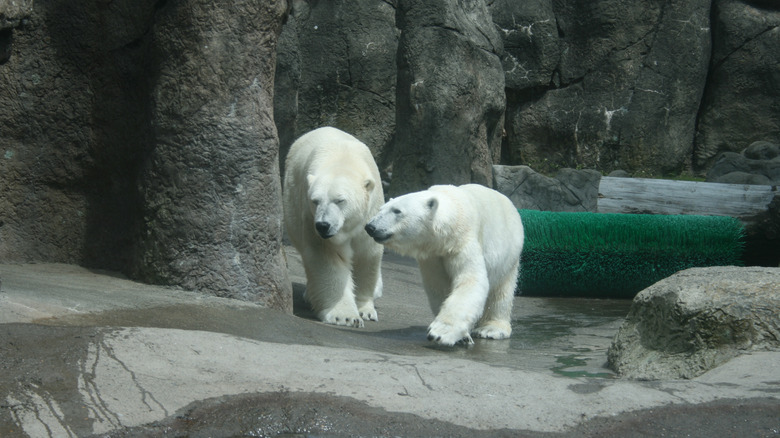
[[340, 315], [492, 331], [367, 311], [448, 334]]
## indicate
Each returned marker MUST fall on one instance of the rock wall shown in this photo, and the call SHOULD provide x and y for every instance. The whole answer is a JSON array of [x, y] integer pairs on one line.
[[622, 93], [742, 94], [72, 118], [336, 67], [209, 187], [653, 88], [138, 136], [450, 95]]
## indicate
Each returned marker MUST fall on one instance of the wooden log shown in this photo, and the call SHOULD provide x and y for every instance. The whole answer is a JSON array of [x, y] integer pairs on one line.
[[658, 196]]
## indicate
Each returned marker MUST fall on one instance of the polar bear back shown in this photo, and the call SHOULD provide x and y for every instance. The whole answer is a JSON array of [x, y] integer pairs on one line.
[[494, 220], [329, 150]]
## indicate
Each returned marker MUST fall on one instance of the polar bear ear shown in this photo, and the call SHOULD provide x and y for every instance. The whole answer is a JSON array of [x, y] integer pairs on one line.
[[310, 178], [368, 184], [439, 224]]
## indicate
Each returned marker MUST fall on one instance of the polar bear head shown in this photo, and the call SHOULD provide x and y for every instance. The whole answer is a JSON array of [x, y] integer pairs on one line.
[[419, 224], [339, 202]]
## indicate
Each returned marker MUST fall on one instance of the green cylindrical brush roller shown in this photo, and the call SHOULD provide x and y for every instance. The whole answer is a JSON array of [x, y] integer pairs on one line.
[[618, 255]]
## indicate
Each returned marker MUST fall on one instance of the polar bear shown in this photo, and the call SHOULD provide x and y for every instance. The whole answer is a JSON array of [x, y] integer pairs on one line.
[[331, 188], [467, 241]]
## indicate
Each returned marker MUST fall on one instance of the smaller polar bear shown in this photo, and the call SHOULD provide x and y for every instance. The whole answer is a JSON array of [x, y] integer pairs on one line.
[[331, 188], [467, 241]]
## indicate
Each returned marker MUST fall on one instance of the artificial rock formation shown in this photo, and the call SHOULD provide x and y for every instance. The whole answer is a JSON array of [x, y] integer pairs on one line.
[[138, 137], [697, 319], [758, 164], [210, 190], [654, 88], [740, 102], [450, 95], [594, 88], [336, 67], [570, 189]]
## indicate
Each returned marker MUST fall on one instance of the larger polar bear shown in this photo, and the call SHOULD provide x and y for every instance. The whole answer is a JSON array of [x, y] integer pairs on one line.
[[467, 241], [332, 188]]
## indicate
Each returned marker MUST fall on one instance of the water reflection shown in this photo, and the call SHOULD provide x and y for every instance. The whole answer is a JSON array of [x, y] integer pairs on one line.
[[568, 337]]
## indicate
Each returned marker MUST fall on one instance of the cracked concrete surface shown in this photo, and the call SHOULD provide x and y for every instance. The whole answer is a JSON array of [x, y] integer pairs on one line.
[[87, 353]]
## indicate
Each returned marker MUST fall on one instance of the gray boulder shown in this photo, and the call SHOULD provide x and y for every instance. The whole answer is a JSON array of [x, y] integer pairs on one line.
[[450, 95], [569, 190], [697, 319], [758, 164], [740, 102], [762, 150]]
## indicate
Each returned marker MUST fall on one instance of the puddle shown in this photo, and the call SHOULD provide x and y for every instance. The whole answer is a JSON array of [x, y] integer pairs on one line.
[[569, 337], [576, 366], [566, 337]]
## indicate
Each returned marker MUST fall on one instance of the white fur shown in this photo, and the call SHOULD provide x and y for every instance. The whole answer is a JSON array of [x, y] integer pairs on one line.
[[467, 241], [331, 179]]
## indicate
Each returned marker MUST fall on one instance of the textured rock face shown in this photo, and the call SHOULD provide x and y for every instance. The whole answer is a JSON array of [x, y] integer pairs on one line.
[[12, 13], [696, 320], [210, 188], [72, 115], [740, 103], [137, 136], [654, 88], [605, 84], [450, 96], [336, 67]]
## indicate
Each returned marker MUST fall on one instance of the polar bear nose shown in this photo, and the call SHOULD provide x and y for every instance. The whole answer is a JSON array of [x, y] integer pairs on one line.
[[323, 228], [370, 229]]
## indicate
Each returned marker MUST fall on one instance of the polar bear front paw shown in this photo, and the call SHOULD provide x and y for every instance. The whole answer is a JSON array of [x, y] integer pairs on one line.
[[448, 334], [337, 316], [367, 311]]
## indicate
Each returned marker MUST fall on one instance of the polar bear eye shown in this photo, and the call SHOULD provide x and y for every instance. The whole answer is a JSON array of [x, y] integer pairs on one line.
[[396, 211], [339, 201], [315, 201]]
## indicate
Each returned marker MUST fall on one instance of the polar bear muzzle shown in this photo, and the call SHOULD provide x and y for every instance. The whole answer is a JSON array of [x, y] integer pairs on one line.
[[379, 236], [324, 229], [328, 219]]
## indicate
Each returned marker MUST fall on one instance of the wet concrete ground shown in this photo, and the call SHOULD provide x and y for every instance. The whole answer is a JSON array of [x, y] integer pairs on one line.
[[84, 352]]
